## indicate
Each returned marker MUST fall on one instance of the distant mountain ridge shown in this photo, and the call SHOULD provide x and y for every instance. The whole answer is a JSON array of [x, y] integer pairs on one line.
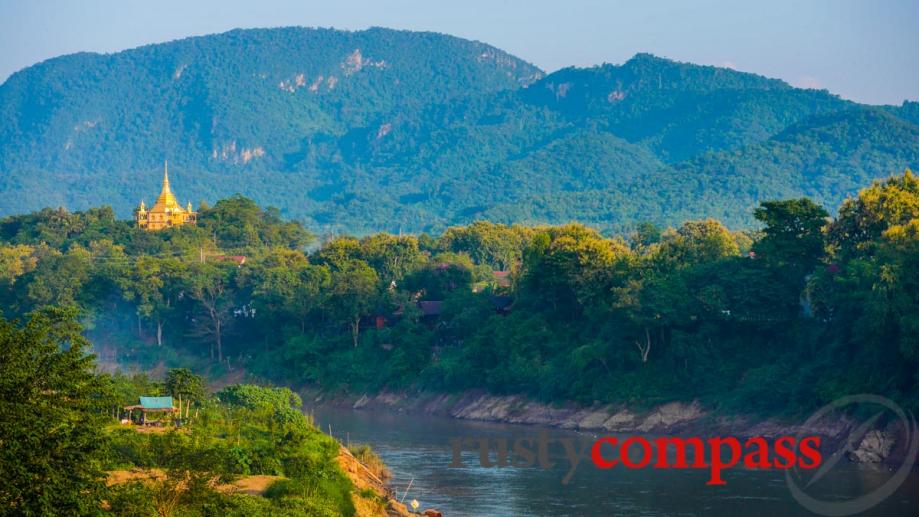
[[388, 130]]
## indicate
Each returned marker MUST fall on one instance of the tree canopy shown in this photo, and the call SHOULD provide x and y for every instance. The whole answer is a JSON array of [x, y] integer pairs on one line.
[[555, 312]]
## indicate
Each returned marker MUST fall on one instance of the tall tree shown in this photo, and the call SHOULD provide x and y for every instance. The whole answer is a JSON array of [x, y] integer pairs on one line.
[[58, 277], [353, 294], [793, 234], [392, 257], [51, 439], [291, 289], [211, 286], [184, 385], [496, 245], [151, 282], [694, 243], [863, 219], [238, 222], [15, 261]]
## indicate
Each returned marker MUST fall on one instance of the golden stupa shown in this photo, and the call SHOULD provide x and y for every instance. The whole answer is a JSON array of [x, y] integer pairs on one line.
[[166, 212]]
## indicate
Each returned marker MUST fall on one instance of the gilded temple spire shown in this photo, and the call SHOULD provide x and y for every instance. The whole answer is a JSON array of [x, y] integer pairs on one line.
[[166, 212]]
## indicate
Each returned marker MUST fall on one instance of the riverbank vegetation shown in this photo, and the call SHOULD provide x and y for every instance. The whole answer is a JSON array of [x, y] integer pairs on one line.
[[777, 320], [243, 431], [63, 450]]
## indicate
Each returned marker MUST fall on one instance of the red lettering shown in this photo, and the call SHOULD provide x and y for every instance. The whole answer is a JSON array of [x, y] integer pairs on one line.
[[596, 453], [758, 459], [810, 449], [785, 449], [680, 447], [717, 464], [756, 453], [645, 452]]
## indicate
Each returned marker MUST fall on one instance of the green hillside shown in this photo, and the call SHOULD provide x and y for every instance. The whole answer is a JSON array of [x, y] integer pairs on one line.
[[388, 130], [822, 157]]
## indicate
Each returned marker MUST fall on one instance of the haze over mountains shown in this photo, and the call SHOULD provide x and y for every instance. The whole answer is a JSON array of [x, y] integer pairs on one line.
[[388, 130]]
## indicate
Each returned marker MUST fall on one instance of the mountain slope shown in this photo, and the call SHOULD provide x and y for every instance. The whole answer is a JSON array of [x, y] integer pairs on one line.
[[824, 157], [238, 97], [388, 130]]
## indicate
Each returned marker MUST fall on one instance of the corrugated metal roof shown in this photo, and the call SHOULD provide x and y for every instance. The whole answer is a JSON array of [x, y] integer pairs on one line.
[[156, 402]]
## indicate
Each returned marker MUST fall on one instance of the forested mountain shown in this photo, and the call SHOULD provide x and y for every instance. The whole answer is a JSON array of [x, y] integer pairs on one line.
[[387, 130], [822, 158]]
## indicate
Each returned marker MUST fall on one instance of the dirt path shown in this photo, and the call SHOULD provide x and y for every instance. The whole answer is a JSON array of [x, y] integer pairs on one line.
[[249, 485]]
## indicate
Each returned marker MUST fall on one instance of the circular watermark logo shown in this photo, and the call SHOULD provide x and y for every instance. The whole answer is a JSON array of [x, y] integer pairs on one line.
[[861, 503]]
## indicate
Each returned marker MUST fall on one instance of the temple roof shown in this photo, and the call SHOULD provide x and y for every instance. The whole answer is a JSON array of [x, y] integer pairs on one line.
[[166, 202]]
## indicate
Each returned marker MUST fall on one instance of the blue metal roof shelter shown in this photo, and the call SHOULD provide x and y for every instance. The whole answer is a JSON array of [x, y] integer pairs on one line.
[[156, 402]]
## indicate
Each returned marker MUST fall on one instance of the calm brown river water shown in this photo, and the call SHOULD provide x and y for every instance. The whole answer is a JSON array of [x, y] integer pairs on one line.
[[419, 447]]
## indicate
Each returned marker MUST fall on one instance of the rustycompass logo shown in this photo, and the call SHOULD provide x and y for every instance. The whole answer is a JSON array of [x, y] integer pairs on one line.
[[716, 455], [803, 457], [882, 410]]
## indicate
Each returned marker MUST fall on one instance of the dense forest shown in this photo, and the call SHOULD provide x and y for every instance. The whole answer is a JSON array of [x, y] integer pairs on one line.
[[782, 319], [357, 132]]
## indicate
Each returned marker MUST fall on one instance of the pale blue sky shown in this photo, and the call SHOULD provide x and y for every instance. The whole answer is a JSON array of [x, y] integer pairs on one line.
[[863, 50]]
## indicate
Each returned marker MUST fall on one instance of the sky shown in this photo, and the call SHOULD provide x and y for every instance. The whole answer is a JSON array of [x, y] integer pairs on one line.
[[867, 51]]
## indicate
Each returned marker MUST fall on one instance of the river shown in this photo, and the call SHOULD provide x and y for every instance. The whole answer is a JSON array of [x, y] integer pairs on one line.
[[418, 448]]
